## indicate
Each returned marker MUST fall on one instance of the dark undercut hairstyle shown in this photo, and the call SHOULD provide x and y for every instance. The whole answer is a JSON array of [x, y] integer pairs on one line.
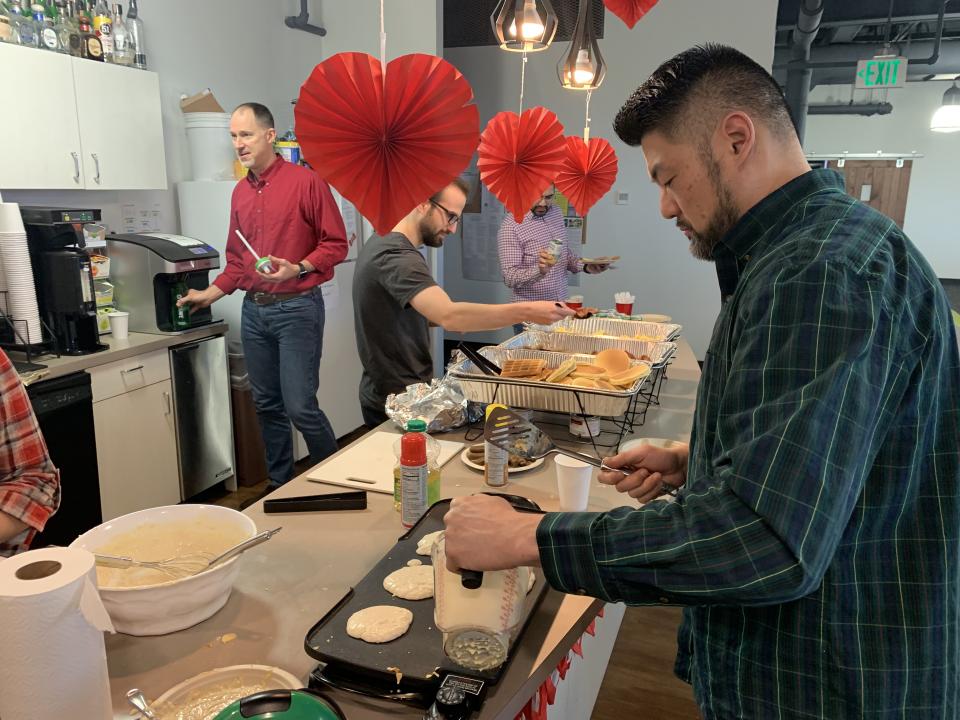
[[261, 113], [691, 92], [459, 183]]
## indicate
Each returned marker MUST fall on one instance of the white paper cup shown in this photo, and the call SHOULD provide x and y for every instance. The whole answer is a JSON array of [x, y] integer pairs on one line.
[[10, 219], [119, 324], [573, 483]]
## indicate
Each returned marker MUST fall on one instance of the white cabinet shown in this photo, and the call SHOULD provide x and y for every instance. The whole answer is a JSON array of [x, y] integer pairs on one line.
[[39, 131], [136, 435], [120, 127], [68, 123]]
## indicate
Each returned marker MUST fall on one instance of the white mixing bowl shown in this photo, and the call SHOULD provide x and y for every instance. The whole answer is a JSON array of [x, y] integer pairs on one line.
[[176, 604]]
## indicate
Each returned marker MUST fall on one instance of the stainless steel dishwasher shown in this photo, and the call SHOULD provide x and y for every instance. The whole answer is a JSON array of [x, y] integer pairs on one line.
[[201, 403]]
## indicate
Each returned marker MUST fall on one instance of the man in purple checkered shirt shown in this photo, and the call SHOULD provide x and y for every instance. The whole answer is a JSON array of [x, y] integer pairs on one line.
[[525, 261]]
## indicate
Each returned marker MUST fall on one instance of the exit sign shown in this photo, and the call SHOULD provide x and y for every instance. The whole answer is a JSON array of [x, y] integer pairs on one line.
[[883, 71]]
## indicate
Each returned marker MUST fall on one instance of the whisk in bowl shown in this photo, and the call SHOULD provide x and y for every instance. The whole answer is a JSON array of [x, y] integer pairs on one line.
[[174, 568], [187, 564]]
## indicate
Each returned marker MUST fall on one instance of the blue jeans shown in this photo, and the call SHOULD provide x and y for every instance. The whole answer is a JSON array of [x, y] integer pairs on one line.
[[282, 343]]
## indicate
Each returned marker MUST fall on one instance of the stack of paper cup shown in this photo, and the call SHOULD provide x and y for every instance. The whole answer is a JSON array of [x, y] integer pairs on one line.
[[21, 295]]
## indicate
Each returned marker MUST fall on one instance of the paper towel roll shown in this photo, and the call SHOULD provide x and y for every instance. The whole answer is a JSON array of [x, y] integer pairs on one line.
[[52, 655]]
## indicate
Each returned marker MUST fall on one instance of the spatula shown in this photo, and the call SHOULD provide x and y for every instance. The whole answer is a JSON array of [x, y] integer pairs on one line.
[[507, 430]]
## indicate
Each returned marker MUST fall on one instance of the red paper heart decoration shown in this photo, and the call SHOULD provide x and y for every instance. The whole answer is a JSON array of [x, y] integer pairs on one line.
[[387, 143], [630, 11], [519, 157], [588, 173]]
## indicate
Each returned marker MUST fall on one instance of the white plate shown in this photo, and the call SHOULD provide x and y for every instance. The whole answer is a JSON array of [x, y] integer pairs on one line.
[[194, 688], [472, 465], [657, 442]]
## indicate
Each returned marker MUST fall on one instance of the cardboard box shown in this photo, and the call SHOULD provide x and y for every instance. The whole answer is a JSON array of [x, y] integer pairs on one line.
[[201, 102]]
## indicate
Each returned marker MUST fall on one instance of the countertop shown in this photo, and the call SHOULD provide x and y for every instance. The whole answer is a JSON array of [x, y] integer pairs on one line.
[[135, 344], [288, 584]]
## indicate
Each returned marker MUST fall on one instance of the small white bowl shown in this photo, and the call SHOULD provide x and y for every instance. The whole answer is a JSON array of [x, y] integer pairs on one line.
[[656, 442], [176, 604], [194, 687]]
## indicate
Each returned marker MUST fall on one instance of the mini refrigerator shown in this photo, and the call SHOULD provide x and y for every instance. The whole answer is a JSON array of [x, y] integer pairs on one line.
[[201, 403]]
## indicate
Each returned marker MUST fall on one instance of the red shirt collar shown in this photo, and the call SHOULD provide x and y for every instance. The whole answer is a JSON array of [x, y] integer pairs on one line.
[[268, 173]]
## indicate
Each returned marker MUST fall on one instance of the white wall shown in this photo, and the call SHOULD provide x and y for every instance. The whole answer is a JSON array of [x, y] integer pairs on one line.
[[656, 264], [934, 180]]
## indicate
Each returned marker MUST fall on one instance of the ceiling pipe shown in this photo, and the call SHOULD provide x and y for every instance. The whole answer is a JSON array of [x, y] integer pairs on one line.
[[934, 56], [865, 109], [845, 57], [301, 21], [798, 70]]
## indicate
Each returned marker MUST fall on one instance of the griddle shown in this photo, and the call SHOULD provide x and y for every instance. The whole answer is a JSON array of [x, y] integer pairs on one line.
[[359, 667]]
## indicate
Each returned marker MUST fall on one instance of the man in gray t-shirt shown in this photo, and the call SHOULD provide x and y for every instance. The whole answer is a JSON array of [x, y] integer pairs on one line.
[[395, 300]]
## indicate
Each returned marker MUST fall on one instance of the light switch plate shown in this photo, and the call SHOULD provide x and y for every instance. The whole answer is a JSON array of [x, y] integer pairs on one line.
[[623, 198], [865, 192]]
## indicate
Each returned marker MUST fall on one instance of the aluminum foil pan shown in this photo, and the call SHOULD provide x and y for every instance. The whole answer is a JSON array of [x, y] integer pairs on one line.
[[612, 327], [538, 395], [660, 353]]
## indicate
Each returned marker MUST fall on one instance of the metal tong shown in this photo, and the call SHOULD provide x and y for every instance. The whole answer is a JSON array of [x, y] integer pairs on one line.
[[486, 366]]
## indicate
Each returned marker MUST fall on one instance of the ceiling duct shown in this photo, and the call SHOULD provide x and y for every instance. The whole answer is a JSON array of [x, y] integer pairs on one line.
[[865, 109], [467, 23], [798, 71]]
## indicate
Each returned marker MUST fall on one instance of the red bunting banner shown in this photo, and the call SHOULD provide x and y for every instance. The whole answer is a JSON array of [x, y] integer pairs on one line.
[[588, 173], [630, 11], [519, 157], [387, 143]]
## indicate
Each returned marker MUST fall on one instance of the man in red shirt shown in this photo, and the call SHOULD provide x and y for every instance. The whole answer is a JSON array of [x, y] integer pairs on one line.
[[29, 483], [287, 213]]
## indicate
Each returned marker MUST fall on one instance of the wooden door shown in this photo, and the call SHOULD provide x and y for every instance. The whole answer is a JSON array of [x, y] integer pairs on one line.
[[879, 183]]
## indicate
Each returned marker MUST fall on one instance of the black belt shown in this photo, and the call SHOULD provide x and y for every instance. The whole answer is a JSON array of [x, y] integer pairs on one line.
[[265, 298]]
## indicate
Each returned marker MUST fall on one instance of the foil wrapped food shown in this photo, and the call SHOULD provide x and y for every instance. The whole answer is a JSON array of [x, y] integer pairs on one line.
[[440, 403]]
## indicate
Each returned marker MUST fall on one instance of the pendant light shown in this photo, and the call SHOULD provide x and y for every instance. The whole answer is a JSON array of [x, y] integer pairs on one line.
[[582, 68], [524, 25], [947, 117]]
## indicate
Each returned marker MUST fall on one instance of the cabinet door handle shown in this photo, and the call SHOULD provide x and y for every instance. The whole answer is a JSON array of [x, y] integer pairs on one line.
[[76, 167], [166, 402], [130, 370], [96, 162]]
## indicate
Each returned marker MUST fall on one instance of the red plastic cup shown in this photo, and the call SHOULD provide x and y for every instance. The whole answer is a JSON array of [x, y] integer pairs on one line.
[[574, 302], [625, 308]]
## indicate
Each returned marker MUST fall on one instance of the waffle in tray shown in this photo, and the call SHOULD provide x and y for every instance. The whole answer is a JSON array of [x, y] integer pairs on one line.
[[609, 373], [523, 368]]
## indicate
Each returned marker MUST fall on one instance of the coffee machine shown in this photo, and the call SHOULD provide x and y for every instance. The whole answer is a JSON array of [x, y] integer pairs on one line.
[[151, 271], [62, 276]]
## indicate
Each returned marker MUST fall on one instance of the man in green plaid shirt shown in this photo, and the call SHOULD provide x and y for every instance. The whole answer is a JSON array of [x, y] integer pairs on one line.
[[814, 542]]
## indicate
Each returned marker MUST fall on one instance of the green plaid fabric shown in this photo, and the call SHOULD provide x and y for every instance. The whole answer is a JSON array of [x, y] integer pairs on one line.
[[815, 544]]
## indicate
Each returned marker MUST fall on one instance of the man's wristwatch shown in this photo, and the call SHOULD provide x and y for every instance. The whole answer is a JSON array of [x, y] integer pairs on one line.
[[303, 271]]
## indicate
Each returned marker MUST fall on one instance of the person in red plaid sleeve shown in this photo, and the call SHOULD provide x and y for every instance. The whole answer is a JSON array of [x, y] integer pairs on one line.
[[29, 483]]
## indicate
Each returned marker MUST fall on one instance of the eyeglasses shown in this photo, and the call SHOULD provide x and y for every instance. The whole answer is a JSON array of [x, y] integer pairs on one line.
[[546, 198], [452, 218]]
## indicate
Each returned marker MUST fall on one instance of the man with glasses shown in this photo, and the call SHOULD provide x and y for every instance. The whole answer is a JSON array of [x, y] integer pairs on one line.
[[528, 266], [396, 299]]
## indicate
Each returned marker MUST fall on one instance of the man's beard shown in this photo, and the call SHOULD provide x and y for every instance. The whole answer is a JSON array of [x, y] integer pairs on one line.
[[724, 217], [539, 211], [431, 238]]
